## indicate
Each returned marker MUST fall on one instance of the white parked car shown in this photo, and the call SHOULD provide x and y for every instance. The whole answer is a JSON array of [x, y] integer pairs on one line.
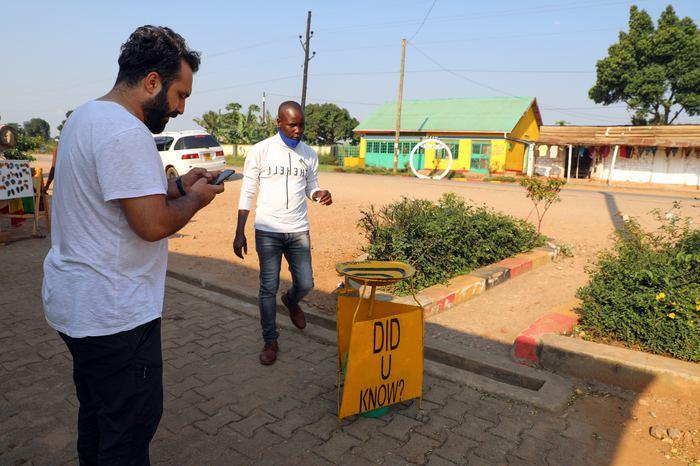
[[184, 150]]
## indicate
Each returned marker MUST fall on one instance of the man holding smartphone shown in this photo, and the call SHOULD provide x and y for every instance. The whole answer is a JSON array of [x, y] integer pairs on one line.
[[113, 209], [286, 172]]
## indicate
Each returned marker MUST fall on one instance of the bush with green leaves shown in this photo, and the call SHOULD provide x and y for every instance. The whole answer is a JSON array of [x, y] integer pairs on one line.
[[444, 239], [25, 146], [645, 291]]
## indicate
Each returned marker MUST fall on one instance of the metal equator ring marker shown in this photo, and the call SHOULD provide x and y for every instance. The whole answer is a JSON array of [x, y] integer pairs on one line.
[[423, 143]]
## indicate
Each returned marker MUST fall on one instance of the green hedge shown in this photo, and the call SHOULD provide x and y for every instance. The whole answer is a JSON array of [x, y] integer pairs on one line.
[[645, 291], [443, 240]]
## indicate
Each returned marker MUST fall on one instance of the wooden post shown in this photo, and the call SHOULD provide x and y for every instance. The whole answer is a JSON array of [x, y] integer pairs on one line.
[[612, 164], [398, 107], [568, 165]]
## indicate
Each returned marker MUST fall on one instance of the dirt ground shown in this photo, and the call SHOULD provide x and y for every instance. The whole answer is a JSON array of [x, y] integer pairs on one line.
[[585, 219]]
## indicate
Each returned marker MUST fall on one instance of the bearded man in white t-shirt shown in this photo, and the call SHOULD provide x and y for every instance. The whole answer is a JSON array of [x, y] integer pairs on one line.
[[112, 212]]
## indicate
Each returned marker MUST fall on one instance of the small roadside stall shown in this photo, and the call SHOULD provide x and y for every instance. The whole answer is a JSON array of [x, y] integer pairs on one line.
[[21, 194], [630, 154]]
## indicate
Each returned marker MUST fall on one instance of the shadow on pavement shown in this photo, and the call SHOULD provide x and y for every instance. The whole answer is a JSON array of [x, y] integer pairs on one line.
[[222, 407]]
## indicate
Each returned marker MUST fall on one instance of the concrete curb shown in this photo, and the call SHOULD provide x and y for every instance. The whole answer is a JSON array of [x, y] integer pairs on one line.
[[439, 298], [477, 369], [527, 343], [626, 368]]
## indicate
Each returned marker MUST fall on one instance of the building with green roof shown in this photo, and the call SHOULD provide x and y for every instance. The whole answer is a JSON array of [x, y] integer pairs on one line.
[[485, 135]]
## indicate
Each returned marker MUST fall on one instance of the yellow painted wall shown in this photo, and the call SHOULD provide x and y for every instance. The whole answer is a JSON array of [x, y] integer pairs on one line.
[[527, 128], [430, 163], [515, 156], [465, 154], [363, 148], [497, 162], [353, 162]]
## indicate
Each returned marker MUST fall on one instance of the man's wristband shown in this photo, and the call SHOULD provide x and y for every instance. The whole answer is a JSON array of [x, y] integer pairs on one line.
[[178, 183]]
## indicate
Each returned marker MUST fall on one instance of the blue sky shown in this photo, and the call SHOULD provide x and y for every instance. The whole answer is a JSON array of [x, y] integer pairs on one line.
[[64, 53]]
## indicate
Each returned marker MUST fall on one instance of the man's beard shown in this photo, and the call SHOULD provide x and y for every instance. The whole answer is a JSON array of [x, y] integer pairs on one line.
[[156, 112]]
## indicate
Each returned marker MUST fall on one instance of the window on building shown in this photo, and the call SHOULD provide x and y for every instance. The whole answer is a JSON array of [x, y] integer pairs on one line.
[[442, 153]]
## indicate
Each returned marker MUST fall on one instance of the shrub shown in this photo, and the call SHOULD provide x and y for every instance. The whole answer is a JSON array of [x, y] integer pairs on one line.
[[443, 240], [542, 194], [645, 291]]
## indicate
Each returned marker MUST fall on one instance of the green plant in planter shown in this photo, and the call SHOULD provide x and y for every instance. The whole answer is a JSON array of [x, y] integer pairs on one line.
[[645, 291], [444, 239]]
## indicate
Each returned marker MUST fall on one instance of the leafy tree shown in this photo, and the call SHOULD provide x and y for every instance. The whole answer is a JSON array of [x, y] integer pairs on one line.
[[210, 121], [63, 123], [561, 122], [328, 124], [37, 127], [655, 71], [24, 147], [236, 127]]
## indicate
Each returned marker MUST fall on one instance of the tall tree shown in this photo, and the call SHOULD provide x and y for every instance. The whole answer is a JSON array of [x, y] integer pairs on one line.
[[63, 123], [328, 124], [236, 127], [37, 127], [210, 121], [655, 71]]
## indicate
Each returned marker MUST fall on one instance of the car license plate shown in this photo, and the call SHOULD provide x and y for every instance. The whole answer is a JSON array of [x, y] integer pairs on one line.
[[207, 156]]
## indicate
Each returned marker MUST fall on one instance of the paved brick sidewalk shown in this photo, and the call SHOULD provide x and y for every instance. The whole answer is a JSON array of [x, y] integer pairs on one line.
[[222, 407]]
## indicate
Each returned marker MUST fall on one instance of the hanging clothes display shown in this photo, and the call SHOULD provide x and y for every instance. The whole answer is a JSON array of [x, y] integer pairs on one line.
[[553, 152], [542, 150]]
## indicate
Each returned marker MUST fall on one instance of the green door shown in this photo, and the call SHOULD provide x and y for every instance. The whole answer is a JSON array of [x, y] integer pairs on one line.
[[481, 155]]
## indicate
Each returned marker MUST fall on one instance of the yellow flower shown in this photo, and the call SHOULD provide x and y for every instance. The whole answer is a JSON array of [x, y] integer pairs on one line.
[[672, 315], [660, 296], [697, 307], [673, 303]]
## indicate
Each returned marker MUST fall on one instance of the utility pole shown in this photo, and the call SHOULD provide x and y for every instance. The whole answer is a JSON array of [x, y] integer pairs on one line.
[[264, 115], [305, 46], [398, 107]]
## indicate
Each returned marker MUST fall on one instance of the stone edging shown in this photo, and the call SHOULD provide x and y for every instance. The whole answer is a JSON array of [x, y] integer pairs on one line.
[[439, 298], [547, 344], [623, 367]]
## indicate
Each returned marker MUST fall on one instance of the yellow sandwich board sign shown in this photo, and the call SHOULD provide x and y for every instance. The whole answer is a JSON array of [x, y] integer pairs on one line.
[[384, 354]]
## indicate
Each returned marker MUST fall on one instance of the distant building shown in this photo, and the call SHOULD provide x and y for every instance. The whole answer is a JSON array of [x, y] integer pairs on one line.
[[636, 154], [485, 135]]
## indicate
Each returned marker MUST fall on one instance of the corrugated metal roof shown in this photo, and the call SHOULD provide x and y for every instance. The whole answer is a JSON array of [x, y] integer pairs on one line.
[[659, 136], [494, 114]]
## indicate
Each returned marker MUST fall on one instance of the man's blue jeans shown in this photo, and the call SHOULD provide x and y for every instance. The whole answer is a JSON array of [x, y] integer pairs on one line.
[[296, 248]]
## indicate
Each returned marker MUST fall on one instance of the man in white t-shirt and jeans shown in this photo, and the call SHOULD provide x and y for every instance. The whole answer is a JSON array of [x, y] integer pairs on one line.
[[112, 211], [285, 170]]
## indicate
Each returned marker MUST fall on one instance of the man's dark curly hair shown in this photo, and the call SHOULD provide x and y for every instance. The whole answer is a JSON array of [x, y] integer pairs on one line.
[[154, 48]]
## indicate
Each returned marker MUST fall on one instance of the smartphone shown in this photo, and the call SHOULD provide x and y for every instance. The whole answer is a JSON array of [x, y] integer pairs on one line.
[[223, 176]]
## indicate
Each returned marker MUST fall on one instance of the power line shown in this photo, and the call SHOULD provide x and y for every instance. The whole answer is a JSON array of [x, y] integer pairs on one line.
[[320, 99], [252, 83], [424, 20], [552, 8], [459, 75]]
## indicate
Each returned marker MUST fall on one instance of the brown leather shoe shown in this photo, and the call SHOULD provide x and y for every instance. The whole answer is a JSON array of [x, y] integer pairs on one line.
[[295, 313], [268, 355]]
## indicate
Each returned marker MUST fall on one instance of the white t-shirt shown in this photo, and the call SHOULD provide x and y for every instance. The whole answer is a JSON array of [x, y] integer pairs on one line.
[[100, 278], [286, 177]]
